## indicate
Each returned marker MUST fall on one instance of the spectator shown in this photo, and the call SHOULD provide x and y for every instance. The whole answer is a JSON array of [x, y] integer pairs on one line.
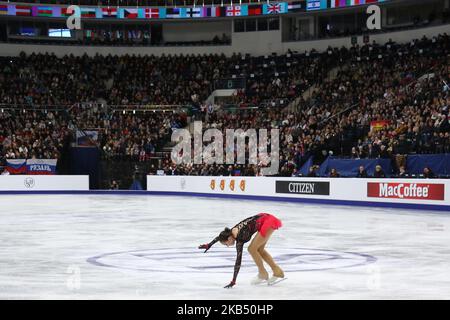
[[428, 173], [334, 173], [379, 173], [402, 172], [312, 172], [362, 173], [114, 185]]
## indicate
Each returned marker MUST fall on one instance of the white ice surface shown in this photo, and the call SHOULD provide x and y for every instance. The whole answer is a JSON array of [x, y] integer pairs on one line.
[[46, 241]]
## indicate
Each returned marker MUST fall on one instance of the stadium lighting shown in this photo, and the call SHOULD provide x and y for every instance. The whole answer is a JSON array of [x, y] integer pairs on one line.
[[134, 111], [123, 111]]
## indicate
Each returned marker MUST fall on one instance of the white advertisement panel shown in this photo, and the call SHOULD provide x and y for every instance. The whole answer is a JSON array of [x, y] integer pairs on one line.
[[43, 183], [407, 191]]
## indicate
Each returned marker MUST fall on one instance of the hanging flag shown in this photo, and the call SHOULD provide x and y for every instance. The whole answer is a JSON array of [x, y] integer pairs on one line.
[[316, 4], [23, 11], [44, 11], [254, 9], [297, 6], [209, 12], [221, 11], [234, 11], [64, 12], [172, 13], [88, 12], [193, 12], [152, 13], [130, 13], [275, 8], [109, 12], [3, 9]]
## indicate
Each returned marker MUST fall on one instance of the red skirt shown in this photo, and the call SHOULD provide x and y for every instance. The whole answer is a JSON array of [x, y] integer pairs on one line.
[[267, 221]]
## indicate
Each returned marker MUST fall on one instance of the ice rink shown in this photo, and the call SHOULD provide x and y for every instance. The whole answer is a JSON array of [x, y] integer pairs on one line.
[[145, 247]]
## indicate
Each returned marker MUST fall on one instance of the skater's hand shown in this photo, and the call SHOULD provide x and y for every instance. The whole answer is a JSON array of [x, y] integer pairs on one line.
[[230, 285], [204, 246]]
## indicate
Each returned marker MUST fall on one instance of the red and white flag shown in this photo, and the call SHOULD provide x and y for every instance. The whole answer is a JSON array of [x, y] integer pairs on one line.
[[151, 13], [23, 11]]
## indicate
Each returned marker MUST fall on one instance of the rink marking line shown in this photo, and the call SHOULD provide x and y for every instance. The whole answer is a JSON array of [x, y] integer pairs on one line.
[[292, 262], [414, 206]]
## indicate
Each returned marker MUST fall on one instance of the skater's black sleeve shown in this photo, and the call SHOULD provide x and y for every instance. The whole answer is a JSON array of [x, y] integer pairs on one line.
[[237, 265], [212, 242]]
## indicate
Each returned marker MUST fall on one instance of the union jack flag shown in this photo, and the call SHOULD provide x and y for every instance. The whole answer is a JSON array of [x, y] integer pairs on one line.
[[274, 8]]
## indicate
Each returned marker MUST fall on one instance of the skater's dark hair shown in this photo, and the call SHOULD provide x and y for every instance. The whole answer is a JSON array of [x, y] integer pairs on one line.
[[223, 236]]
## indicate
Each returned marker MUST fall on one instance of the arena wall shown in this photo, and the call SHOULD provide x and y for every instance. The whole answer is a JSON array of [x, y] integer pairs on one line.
[[255, 43], [427, 194], [196, 31], [30, 183]]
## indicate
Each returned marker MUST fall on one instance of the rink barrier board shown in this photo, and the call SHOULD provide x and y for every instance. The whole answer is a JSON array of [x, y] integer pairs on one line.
[[424, 194], [445, 208], [30, 183]]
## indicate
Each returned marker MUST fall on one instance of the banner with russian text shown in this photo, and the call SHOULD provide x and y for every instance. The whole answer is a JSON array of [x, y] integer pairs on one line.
[[41, 166]]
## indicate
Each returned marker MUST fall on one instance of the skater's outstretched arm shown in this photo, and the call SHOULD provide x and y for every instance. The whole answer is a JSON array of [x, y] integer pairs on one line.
[[207, 246], [237, 265]]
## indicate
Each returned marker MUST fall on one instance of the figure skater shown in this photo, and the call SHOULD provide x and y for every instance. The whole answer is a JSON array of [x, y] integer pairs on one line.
[[263, 225]]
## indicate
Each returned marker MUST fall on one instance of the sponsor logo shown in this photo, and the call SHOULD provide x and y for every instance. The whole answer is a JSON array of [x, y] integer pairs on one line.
[[232, 185], [242, 185], [420, 191], [29, 182], [303, 187]]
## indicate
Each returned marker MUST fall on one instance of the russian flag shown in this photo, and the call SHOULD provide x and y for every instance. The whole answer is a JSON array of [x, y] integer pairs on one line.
[[16, 166]]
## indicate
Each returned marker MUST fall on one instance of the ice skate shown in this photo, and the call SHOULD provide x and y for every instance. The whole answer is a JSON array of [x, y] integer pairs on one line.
[[274, 280], [258, 280]]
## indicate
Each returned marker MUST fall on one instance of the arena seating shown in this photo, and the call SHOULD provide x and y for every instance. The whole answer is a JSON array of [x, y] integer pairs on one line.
[[385, 101]]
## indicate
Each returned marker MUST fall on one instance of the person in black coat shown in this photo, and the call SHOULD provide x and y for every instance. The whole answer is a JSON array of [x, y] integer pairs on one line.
[[362, 173], [428, 173], [312, 172], [379, 173], [334, 173]]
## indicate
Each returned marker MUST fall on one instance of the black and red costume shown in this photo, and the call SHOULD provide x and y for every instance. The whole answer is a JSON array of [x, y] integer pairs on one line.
[[246, 228]]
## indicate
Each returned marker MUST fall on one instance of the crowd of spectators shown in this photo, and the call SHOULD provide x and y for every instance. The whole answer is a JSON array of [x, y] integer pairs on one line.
[[44, 79], [402, 86]]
